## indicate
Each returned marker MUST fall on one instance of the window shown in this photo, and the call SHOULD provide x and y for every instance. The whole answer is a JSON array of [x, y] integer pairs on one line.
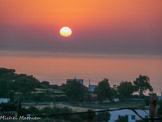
[[133, 117]]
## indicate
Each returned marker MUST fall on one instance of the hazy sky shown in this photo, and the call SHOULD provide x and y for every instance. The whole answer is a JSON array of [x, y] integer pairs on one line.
[[107, 26], [116, 39]]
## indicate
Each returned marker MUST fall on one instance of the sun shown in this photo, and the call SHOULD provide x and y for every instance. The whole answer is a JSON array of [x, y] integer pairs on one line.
[[65, 31]]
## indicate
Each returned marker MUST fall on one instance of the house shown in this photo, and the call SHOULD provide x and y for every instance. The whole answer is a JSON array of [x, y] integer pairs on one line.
[[116, 99], [92, 88], [4, 100], [160, 97], [77, 80], [132, 117], [106, 101]]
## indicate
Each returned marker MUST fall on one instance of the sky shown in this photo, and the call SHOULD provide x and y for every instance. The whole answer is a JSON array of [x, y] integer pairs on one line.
[[128, 30]]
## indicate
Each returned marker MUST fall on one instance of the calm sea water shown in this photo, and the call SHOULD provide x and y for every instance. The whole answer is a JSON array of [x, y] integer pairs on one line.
[[57, 70]]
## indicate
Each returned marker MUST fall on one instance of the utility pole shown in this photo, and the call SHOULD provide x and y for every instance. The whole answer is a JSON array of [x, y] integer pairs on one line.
[[153, 106], [89, 82]]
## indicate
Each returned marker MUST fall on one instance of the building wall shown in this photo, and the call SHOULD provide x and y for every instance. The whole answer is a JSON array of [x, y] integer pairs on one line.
[[92, 87], [78, 80], [132, 117], [4, 100]]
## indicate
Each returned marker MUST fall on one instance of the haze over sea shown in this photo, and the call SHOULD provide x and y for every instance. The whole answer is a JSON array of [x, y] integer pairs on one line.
[[57, 67]]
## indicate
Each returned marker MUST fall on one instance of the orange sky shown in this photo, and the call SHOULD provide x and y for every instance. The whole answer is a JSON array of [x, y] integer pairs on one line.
[[80, 13], [110, 25]]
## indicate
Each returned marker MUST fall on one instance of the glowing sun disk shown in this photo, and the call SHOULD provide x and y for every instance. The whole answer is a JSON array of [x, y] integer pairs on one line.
[[65, 31]]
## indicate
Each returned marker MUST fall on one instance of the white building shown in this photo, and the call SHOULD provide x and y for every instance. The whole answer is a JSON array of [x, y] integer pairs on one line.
[[4, 100], [116, 99], [77, 80], [132, 117], [160, 97], [92, 88]]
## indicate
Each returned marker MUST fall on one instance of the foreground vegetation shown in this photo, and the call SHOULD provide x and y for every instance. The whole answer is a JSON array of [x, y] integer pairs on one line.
[[56, 110], [29, 88], [30, 96]]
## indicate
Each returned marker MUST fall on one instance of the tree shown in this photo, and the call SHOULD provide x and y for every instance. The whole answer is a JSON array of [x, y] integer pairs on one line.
[[75, 91], [142, 84], [49, 110], [115, 91], [8, 107], [63, 85], [88, 117], [4, 88], [160, 108], [75, 118], [11, 82], [7, 77], [4, 71], [147, 100], [102, 117], [45, 84], [125, 89], [103, 90], [57, 110], [25, 84], [33, 110], [65, 110], [37, 98]]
